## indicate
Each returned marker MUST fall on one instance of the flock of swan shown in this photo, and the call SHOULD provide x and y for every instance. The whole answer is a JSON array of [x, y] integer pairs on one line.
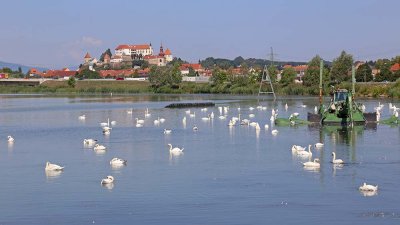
[[223, 115]]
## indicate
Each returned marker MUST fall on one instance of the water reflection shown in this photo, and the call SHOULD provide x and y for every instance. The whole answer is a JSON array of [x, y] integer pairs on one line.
[[117, 166], [109, 186], [10, 146], [100, 151], [368, 193], [52, 174]]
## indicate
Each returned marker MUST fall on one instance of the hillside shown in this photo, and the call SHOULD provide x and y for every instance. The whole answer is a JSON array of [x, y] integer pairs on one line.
[[14, 66]]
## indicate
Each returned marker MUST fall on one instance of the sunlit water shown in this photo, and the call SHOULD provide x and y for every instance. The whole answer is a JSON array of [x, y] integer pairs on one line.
[[225, 176]]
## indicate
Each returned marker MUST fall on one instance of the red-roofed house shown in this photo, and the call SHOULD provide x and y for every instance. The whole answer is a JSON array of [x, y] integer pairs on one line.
[[35, 72], [395, 67], [142, 50], [65, 73], [168, 55], [155, 60], [184, 68]]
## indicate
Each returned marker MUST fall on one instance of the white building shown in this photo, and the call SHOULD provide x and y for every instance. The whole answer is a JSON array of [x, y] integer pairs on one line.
[[135, 50]]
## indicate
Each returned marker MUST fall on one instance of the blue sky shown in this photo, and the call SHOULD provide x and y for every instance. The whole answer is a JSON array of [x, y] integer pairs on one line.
[[56, 34]]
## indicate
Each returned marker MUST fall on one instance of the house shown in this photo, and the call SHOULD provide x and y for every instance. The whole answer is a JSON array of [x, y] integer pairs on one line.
[[155, 60], [395, 67], [35, 73], [168, 55], [135, 51], [300, 71], [116, 59], [184, 68], [64, 73]]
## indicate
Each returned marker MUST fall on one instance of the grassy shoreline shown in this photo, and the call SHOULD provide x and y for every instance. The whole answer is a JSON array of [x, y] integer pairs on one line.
[[374, 90]]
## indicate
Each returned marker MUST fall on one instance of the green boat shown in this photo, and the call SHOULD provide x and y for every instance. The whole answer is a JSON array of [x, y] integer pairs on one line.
[[342, 109]]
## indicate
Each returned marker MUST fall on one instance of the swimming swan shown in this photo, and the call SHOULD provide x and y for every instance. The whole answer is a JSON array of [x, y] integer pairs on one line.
[[336, 161], [107, 180], [319, 145], [99, 147], [368, 187], [117, 162], [89, 141], [10, 139], [175, 150], [53, 167], [305, 153], [313, 164]]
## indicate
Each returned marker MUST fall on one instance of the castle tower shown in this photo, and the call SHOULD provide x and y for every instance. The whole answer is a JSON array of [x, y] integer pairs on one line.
[[87, 58], [161, 51]]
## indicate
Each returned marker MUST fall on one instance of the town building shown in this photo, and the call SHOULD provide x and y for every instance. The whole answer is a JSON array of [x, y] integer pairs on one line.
[[135, 51], [395, 67]]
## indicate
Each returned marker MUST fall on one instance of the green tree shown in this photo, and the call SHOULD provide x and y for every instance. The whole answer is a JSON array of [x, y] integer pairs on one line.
[[364, 73], [219, 76], [192, 73], [385, 74], [71, 81], [19, 70], [341, 66], [88, 74], [288, 75], [273, 72], [311, 76], [169, 75], [108, 51], [7, 70]]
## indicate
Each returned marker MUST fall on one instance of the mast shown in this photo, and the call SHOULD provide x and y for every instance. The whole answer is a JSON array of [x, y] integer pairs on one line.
[[321, 70], [353, 80]]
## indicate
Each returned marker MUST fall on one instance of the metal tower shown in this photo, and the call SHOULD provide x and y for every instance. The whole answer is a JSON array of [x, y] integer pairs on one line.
[[265, 81]]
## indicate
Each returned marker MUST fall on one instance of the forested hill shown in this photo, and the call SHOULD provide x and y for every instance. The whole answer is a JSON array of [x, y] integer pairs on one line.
[[250, 62]]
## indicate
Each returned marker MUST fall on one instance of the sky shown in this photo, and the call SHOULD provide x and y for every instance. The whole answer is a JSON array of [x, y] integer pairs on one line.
[[57, 34]]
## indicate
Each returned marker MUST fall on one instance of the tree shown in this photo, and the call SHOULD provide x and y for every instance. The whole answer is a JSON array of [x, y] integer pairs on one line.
[[71, 81], [88, 74], [288, 75], [364, 73], [108, 51], [341, 66], [219, 76], [168, 75], [6, 70], [311, 76], [192, 73], [19, 70], [273, 72], [385, 74]]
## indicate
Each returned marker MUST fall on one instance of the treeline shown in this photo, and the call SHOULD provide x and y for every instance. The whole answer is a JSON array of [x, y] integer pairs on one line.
[[212, 63]]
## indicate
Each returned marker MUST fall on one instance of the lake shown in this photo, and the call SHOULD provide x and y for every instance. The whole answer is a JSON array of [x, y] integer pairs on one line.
[[226, 175]]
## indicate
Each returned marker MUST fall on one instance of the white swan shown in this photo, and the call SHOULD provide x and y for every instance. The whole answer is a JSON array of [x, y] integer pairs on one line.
[[187, 111], [117, 162], [251, 108], [336, 161], [99, 147], [305, 153], [139, 121], [82, 117], [139, 125], [231, 123], [258, 127], [195, 128], [272, 119], [274, 132], [220, 110], [315, 109], [53, 167], [107, 180], [251, 115], [106, 128], [129, 111], [113, 123], [106, 132], [266, 126], [253, 124], [167, 131], [146, 113], [162, 120], [222, 117], [204, 109], [259, 107], [206, 118], [157, 121], [184, 119], [368, 187], [89, 141], [298, 148], [212, 115], [286, 106], [313, 164], [319, 145], [10, 139], [175, 150]]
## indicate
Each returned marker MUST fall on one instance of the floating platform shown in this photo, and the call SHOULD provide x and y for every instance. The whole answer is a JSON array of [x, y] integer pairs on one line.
[[190, 105]]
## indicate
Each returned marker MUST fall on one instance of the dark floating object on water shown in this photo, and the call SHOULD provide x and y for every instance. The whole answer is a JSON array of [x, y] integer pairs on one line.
[[189, 105]]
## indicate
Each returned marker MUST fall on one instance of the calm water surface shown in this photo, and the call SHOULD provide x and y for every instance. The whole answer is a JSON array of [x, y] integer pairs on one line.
[[225, 176]]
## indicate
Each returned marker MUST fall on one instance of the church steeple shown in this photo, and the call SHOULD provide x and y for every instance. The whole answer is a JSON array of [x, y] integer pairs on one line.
[[161, 50]]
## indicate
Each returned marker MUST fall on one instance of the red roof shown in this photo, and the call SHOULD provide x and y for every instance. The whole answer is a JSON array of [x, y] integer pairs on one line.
[[59, 73], [194, 66], [167, 52], [300, 68], [132, 47], [395, 67], [87, 56]]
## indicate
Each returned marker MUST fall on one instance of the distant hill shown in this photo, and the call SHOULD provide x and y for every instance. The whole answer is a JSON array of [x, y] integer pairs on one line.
[[14, 66], [227, 63]]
